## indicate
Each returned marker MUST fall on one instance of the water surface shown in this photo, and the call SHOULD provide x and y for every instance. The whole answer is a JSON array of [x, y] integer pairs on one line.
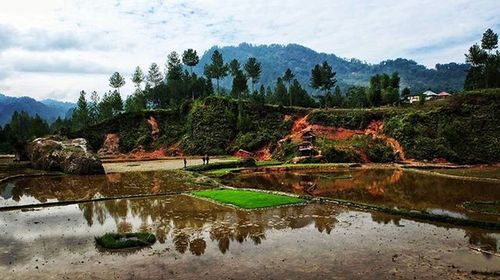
[[197, 239], [389, 187]]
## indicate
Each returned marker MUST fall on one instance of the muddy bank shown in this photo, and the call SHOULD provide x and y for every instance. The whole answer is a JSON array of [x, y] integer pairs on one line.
[[152, 165], [199, 239]]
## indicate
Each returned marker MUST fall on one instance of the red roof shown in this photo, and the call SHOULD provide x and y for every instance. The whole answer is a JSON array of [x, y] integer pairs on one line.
[[444, 93]]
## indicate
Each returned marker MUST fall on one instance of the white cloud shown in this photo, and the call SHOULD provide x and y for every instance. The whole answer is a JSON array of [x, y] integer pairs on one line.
[[55, 47]]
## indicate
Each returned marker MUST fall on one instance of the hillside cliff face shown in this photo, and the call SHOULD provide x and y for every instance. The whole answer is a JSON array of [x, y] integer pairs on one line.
[[463, 129], [276, 59]]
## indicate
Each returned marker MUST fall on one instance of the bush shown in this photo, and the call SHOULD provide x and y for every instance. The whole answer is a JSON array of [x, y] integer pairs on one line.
[[333, 154], [125, 240], [379, 151]]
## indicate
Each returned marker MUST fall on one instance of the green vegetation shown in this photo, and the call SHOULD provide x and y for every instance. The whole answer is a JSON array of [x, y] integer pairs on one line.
[[485, 70], [248, 199], [125, 240], [488, 207]]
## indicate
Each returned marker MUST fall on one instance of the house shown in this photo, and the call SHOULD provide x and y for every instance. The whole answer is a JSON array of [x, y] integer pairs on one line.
[[309, 136], [428, 96], [443, 95]]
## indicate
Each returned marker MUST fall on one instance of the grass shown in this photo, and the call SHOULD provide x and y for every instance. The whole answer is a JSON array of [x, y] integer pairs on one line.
[[247, 199], [125, 240], [480, 172], [222, 171]]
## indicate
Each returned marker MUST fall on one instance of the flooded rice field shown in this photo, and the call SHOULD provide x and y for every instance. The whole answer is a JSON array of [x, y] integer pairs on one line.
[[197, 238], [388, 187], [40, 190], [200, 239]]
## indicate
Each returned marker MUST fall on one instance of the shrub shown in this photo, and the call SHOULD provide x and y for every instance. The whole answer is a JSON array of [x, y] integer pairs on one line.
[[125, 240]]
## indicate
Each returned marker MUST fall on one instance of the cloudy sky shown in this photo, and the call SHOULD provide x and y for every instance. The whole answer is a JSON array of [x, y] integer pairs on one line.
[[55, 48]]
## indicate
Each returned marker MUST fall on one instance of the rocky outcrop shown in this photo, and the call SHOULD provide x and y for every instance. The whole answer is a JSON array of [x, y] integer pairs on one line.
[[69, 156]]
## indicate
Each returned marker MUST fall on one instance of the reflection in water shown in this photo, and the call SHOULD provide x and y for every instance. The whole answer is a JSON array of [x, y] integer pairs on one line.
[[186, 221], [64, 188], [389, 187]]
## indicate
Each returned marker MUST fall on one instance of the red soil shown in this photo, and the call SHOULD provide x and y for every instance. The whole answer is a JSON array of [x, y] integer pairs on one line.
[[264, 153], [111, 145], [153, 125]]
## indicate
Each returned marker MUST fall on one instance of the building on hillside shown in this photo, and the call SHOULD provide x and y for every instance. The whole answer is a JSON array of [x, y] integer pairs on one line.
[[443, 95], [428, 96]]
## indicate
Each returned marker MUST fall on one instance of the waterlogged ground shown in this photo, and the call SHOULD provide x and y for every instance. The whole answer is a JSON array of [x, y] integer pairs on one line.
[[41, 190], [199, 239], [388, 187]]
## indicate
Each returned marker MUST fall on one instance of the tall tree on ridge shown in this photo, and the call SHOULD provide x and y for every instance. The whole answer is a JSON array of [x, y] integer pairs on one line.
[[138, 78], [154, 78], [288, 77], [116, 81], [174, 67], [253, 69], [217, 69], [323, 78], [190, 58]]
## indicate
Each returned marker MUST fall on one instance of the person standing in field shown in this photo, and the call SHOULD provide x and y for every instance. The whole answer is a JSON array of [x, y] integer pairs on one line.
[[185, 162], [203, 160], [206, 158]]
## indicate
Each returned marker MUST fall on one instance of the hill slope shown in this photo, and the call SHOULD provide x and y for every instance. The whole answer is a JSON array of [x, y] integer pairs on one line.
[[47, 109], [276, 59]]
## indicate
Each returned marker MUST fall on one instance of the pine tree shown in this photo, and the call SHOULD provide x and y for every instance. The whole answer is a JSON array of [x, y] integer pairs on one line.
[[138, 78], [81, 114], [116, 81], [253, 70], [288, 77], [190, 58], [154, 78], [217, 69], [174, 67]]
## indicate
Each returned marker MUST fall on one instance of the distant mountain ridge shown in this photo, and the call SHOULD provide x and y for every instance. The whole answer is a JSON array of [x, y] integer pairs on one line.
[[276, 59], [48, 109]]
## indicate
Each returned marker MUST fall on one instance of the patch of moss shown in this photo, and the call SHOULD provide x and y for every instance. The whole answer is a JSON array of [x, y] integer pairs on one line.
[[125, 240]]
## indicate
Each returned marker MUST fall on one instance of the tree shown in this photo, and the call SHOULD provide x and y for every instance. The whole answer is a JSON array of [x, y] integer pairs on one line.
[[280, 93], [217, 69], [337, 98], [239, 84], [190, 58], [489, 40], [357, 97], [138, 78], [234, 67], [253, 70], [288, 77], [116, 81], [405, 93], [485, 64], [154, 78], [94, 107], [323, 78], [174, 67], [81, 114]]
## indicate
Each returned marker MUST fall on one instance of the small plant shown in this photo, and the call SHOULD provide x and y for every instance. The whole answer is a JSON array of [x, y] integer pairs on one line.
[[125, 240]]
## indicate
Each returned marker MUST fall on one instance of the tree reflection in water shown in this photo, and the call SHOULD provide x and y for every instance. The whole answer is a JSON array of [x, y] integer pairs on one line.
[[187, 222]]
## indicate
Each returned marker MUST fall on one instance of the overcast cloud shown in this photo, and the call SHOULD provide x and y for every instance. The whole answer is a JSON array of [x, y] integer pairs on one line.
[[55, 48]]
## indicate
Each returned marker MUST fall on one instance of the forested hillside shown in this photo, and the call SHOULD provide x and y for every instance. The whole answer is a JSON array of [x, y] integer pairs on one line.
[[276, 59], [47, 109]]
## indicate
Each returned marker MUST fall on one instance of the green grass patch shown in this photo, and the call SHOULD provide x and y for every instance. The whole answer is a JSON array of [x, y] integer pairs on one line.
[[223, 171], [248, 199], [125, 240]]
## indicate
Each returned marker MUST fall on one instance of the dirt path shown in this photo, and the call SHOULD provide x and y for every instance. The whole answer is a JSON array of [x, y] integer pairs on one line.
[[153, 165]]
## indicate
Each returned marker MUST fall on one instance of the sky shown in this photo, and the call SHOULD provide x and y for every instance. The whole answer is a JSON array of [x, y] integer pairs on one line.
[[56, 48]]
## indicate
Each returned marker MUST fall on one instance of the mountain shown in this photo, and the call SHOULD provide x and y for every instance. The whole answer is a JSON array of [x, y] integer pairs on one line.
[[48, 109], [276, 59]]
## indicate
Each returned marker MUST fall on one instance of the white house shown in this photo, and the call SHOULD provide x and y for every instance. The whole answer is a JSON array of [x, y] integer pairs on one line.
[[428, 96]]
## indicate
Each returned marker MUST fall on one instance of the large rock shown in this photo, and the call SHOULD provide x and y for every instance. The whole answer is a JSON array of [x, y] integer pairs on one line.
[[69, 156]]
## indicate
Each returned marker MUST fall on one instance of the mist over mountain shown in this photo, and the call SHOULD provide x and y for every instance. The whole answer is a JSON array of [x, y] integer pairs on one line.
[[276, 59], [48, 109]]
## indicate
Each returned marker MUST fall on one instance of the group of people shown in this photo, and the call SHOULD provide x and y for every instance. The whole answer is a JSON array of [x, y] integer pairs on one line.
[[206, 159]]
